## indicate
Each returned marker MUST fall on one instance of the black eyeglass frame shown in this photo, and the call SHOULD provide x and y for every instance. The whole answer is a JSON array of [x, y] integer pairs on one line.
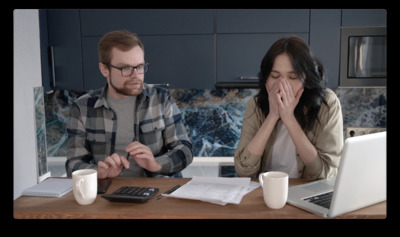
[[145, 68]]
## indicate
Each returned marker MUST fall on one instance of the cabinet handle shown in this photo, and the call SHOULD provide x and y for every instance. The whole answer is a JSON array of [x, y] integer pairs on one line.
[[166, 84], [53, 68], [248, 78]]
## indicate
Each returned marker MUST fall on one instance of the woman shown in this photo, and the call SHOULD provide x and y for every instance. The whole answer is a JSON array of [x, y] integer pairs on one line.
[[294, 124]]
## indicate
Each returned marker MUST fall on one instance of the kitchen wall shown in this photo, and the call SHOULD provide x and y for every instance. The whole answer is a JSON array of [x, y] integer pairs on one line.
[[213, 117], [27, 75]]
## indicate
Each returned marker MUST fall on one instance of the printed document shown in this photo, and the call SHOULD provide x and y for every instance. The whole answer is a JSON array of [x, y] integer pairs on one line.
[[217, 190]]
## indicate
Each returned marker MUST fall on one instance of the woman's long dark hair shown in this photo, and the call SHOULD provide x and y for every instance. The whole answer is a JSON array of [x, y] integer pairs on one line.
[[308, 69]]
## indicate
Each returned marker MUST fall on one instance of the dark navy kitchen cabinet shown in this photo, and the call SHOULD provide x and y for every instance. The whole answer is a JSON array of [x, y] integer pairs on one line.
[[364, 17], [148, 22], [179, 45], [325, 41], [191, 48], [239, 55], [244, 36], [61, 49], [185, 61], [262, 20]]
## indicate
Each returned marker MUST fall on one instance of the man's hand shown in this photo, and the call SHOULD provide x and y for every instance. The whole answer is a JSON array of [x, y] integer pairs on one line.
[[112, 166], [143, 156]]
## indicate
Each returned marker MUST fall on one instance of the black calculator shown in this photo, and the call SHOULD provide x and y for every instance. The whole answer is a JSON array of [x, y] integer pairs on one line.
[[131, 194]]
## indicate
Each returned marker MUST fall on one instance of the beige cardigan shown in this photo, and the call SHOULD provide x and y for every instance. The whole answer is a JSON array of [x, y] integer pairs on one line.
[[327, 139]]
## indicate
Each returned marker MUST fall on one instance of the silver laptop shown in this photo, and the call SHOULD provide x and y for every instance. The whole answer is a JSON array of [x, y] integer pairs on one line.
[[360, 182]]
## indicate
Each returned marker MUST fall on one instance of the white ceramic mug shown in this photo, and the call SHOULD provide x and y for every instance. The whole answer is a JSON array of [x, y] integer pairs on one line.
[[275, 186], [85, 186]]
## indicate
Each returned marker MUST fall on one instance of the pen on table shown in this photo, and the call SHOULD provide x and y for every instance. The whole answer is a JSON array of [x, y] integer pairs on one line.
[[168, 192]]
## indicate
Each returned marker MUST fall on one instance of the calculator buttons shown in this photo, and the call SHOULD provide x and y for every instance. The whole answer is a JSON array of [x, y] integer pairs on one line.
[[131, 194]]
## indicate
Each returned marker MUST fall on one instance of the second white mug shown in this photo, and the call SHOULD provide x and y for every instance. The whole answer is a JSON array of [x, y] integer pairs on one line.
[[275, 186]]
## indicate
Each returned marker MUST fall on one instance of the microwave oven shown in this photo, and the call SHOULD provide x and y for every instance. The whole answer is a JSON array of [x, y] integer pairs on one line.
[[363, 57]]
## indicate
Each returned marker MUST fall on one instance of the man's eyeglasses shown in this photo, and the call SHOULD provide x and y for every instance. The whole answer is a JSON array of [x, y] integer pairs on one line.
[[128, 70]]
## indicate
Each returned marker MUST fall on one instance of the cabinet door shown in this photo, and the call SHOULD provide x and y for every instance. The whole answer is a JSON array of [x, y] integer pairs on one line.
[[91, 72], [364, 17], [45, 57], [262, 20], [148, 21], [239, 55], [182, 61], [65, 38], [325, 41]]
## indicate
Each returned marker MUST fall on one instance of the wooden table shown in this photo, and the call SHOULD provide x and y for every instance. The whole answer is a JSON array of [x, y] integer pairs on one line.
[[252, 206]]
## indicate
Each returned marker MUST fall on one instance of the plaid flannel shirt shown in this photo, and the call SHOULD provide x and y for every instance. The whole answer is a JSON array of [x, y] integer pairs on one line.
[[158, 125]]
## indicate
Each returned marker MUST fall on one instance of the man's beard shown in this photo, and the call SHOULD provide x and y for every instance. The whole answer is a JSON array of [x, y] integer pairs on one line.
[[127, 91]]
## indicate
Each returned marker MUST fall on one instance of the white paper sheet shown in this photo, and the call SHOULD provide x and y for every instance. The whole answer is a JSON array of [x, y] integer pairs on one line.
[[217, 190]]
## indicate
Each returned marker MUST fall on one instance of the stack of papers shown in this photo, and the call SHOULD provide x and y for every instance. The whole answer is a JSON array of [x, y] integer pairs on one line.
[[215, 190]]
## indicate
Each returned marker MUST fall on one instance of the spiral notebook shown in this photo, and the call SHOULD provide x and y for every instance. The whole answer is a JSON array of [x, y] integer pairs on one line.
[[50, 187]]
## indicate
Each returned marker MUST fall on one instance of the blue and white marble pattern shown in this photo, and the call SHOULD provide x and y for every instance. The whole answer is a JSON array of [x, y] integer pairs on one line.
[[363, 107], [40, 126], [57, 111], [213, 117]]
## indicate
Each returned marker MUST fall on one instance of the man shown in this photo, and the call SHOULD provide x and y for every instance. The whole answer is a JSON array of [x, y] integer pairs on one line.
[[126, 128]]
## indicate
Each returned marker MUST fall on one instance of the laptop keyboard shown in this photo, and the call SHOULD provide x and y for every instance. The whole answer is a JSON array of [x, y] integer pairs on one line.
[[323, 200]]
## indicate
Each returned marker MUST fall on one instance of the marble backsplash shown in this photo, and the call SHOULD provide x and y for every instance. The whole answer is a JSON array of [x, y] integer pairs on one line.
[[213, 117], [40, 128]]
